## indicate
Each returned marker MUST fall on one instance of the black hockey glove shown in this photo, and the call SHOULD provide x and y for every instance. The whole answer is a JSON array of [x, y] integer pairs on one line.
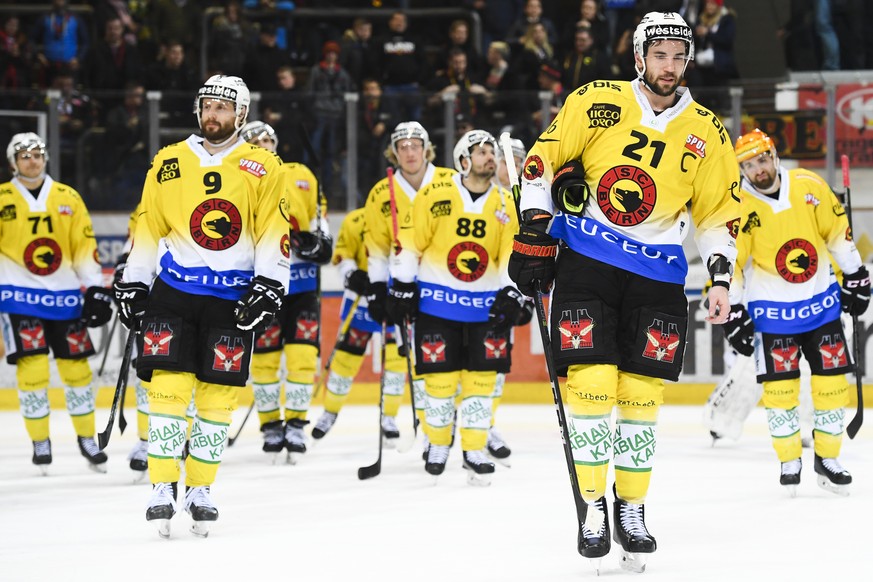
[[533, 258], [120, 266], [527, 313], [855, 294], [257, 308], [402, 301], [97, 309], [569, 189], [358, 282], [315, 247], [377, 294], [507, 309], [131, 299], [740, 331]]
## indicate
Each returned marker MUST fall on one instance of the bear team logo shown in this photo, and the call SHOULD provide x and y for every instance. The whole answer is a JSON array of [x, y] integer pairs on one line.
[[215, 224], [32, 335], [496, 346], [833, 352], [156, 339], [533, 168], [626, 195], [433, 348], [785, 355], [467, 261], [42, 256], [576, 330], [662, 340], [228, 354], [78, 340], [797, 261]]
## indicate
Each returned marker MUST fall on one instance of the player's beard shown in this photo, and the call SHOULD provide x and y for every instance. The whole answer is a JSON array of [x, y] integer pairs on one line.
[[654, 87], [219, 134], [763, 181]]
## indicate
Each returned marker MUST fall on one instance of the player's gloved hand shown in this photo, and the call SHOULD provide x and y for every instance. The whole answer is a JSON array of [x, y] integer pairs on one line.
[[377, 294], [97, 309], [569, 189], [131, 299], [740, 331], [120, 266], [533, 258], [257, 308], [855, 294], [507, 309], [402, 301], [315, 247], [358, 282], [527, 312]]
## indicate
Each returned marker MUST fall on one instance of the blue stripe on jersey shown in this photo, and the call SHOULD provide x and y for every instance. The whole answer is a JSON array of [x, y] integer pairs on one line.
[[56, 305], [203, 280], [593, 239], [454, 304], [361, 320], [302, 278], [786, 317]]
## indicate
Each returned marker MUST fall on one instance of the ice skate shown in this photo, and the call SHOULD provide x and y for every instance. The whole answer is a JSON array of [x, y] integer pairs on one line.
[[202, 510], [425, 447], [162, 507], [479, 468], [437, 455], [594, 542], [139, 460], [90, 450], [831, 476], [497, 448], [42, 455], [390, 432], [323, 425], [274, 439], [790, 476], [629, 520], [295, 440]]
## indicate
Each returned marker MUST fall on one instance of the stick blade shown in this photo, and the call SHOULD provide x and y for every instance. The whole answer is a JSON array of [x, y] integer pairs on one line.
[[103, 439], [370, 471], [856, 423]]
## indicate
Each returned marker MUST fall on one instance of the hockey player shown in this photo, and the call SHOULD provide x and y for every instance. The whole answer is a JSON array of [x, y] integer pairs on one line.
[[212, 213], [451, 277], [616, 170], [47, 253], [296, 329], [350, 257], [791, 301], [412, 154]]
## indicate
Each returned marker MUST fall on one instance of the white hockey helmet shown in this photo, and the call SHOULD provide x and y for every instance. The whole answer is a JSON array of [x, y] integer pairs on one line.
[[24, 142], [409, 130], [257, 130], [476, 137], [517, 147], [229, 88], [661, 26]]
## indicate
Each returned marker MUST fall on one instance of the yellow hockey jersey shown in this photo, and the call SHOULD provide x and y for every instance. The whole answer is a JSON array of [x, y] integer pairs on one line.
[[221, 218], [350, 254], [379, 237], [642, 169], [47, 251], [457, 248], [302, 205], [784, 272]]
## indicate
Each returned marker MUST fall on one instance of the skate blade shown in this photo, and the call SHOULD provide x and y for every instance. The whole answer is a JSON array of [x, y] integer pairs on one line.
[[477, 480], [389, 444], [138, 476], [101, 468], [595, 563], [200, 529], [792, 490], [504, 461], [825, 483], [633, 562], [293, 458], [163, 528], [43, 470]]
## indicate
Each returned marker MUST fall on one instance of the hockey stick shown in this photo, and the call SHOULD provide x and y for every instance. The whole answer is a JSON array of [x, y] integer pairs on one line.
[[543, 324], [103, 437], [406, 329], [373, 470], [858, 420], [341, 337], [106, 343], [405, 326], [232, 439]]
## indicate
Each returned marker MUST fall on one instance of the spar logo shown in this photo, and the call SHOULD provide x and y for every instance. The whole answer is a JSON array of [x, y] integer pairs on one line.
[[467, 261], [42, 256], [216, 224], [797, 261], [626, 195], [856, 108]]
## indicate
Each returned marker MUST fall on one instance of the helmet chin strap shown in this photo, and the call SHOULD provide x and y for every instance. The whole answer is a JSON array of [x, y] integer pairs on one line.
[[233, 137], [25, 179]]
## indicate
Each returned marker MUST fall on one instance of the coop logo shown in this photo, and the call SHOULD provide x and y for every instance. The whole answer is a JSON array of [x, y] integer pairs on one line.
[[169, 170], [797, 261], [42, 257], [467, 261], [215, 224], [856, 108]]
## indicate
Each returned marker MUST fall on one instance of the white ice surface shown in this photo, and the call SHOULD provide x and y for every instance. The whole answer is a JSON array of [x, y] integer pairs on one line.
[[717, 513]]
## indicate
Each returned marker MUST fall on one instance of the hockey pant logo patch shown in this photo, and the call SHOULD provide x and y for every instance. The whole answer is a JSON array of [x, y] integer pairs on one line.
[[78, 340], [307, 327], [270, 338], [662, 341], [785, 355], [496, 346], [576, 327], [229, 353], [433, 348], [157, 339], [834, 354], [32, 335]]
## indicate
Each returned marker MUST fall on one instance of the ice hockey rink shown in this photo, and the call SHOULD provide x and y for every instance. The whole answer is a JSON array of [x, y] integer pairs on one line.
[[717, 513]]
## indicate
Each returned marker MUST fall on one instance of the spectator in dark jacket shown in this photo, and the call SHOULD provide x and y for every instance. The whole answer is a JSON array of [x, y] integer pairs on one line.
[[176, 79], [112, 64], [264, 60], [357, 54], [402, 64]]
